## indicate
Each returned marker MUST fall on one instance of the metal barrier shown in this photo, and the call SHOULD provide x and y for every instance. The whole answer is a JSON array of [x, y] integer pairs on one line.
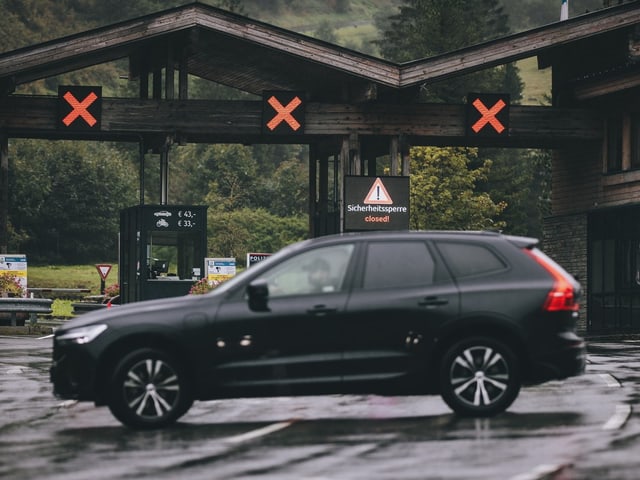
[[58, 292], [30, 306]]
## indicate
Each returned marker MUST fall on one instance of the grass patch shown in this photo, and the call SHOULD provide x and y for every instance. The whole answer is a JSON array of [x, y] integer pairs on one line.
[[69, 276], [537, 83], [62, 308]]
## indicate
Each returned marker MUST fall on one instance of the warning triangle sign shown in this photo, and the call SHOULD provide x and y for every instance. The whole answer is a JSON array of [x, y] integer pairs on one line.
[[378, 195], [103, 270]]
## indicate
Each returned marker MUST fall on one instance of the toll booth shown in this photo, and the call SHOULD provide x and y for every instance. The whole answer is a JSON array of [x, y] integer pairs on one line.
[[162, 250]]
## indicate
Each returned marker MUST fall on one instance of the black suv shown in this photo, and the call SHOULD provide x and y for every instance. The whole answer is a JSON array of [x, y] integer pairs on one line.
[[471, 316]]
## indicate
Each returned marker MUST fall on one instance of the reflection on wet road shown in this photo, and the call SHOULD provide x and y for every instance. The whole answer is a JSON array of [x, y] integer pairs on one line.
[[567, 427]]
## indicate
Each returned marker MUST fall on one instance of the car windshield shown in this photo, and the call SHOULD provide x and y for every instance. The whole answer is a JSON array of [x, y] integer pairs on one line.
[[256, 269]]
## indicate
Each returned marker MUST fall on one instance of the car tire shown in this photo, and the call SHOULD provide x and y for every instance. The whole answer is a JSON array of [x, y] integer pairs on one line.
[[149, 389], [479, 377]]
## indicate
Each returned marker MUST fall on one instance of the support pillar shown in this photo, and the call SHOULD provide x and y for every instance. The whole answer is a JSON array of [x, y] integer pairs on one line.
[[4, 192], [313, 191]]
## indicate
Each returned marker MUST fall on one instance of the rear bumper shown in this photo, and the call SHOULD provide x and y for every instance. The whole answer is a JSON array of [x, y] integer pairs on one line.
[[567, 357]]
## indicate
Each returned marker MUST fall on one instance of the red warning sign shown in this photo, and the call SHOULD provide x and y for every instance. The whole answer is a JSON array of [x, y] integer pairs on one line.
[[378, 195], [376, 203]]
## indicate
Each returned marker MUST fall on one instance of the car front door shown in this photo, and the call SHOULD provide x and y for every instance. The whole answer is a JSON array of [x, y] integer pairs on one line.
[[293, 342], [402, 295]]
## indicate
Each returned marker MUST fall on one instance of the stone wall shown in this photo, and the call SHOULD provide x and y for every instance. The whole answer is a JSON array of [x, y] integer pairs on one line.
[[565, 240]]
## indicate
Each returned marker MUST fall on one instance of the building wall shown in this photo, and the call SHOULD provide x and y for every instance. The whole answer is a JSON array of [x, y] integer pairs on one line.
[[580, 187], [565, 239], [576, 179]]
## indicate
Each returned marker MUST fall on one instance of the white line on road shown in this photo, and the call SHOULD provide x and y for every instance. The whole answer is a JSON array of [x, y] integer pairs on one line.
[[541, 471], [619, 418], [260, 432], [610, 380]]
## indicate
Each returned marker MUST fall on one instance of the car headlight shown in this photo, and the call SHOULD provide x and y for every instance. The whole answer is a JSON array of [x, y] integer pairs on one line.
[[81, 335]]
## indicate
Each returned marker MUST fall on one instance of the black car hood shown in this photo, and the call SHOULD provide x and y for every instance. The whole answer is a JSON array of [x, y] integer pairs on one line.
[[123, 312]]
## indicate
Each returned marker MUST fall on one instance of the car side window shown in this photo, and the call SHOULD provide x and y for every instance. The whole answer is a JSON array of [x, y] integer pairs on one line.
[[398, 264], [322, 270], [468, 259]]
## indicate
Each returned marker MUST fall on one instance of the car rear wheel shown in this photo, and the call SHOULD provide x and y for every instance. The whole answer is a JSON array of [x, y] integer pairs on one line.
[[479, 377], [149, 389]]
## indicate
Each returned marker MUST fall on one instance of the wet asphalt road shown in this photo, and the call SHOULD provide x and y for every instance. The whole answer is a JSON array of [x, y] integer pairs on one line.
[[580, 428]]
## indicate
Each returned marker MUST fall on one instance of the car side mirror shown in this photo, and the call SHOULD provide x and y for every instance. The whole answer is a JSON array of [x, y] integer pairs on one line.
[[258, 293]]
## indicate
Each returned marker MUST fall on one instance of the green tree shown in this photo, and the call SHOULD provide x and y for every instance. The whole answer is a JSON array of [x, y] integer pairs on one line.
[[65, 199], [425, 28], [236, 233], [443, 191], [522, 180]]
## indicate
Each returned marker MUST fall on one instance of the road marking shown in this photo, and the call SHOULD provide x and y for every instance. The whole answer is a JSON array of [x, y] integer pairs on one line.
[[619, 418], [610, 380], [260, 432], [541, 471]]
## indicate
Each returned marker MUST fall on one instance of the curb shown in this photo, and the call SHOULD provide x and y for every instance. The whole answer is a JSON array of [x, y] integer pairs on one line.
[[43, 327]]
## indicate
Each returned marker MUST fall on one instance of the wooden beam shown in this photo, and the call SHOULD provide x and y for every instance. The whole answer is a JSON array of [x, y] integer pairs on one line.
[[215, 121]]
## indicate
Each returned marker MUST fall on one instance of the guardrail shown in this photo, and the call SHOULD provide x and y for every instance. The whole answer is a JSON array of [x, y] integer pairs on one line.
[[57, 292], [30, 306]]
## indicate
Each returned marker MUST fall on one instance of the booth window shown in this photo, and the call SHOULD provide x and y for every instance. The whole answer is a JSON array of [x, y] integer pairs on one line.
[[171, 255]]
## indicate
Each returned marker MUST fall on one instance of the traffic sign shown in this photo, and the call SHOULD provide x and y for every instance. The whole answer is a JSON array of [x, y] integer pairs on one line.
[[103, 270], [376, 203], [488, 114], [282, 113], [79, 108]]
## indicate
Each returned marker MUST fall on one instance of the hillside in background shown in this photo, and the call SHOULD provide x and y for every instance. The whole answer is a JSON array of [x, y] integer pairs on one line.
[[349, 23]]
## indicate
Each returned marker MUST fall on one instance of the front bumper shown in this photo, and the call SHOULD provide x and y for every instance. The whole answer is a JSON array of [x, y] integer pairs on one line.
[[73, 374]]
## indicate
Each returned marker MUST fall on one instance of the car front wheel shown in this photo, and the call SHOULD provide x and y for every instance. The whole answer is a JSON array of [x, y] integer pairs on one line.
[[149, 389], [479, 377]]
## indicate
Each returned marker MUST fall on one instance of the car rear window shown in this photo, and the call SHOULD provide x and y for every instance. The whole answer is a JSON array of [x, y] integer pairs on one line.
[[398, 264], [468, 259]]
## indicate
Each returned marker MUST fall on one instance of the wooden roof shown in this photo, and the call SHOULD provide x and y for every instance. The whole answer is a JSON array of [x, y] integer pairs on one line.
[[253, 56]]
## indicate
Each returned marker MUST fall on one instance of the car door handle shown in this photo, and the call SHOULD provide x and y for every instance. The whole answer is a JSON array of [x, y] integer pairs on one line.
[[321, 310], [433, 302]]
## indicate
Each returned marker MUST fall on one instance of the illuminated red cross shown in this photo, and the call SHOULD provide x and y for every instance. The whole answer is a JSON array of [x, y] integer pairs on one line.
[[80, 109], [284, 113], [488, 115]]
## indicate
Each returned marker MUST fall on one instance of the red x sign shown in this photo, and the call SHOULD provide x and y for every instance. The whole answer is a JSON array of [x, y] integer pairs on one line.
[[488, 114], [80, 108], [283, 113]]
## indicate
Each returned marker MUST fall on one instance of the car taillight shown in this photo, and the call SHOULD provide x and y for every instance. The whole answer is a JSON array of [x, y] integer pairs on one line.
[[562, 296]]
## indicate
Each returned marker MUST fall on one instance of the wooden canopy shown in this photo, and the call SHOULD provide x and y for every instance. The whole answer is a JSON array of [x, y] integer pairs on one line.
[[347, 92]]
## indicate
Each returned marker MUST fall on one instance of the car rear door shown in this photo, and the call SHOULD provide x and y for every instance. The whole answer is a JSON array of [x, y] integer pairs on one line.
[[402, 296]]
